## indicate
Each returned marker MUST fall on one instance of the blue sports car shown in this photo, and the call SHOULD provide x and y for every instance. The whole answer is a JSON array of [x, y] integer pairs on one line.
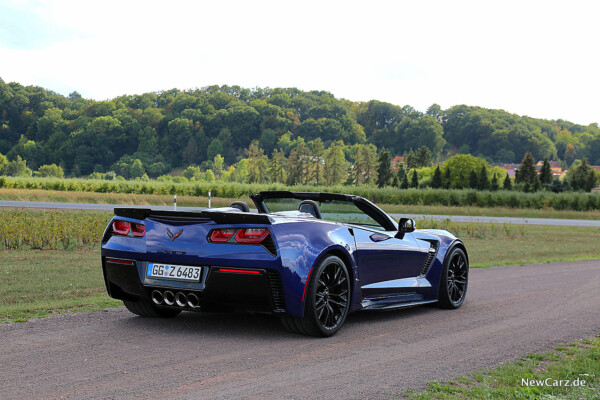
[[310, 258]]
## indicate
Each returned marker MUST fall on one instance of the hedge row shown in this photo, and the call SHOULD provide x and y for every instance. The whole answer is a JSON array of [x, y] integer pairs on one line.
[[454, 197]]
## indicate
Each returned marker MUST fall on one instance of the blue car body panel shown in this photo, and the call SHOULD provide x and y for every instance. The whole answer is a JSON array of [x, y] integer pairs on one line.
[[386, 269]]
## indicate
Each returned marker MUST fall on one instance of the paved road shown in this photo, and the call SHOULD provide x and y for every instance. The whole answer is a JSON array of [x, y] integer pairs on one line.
[[510, 311], [455, 218]]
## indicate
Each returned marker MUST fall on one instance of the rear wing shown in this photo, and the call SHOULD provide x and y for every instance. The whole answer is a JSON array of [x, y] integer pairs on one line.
[[220, 217]]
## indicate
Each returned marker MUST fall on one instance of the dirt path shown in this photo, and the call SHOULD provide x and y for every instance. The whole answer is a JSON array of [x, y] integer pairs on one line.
[[510, 311]]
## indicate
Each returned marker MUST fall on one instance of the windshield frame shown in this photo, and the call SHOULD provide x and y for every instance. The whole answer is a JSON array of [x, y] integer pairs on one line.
[[364, 205]]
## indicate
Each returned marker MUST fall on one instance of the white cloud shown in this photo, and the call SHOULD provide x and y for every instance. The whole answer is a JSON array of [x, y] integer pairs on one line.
[[534, 58]]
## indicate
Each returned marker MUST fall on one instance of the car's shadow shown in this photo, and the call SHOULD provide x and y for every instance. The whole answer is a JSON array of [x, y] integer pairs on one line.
[[245, 325]]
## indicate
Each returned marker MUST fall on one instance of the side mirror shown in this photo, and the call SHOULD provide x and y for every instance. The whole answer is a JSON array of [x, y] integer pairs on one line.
[[406, 225]]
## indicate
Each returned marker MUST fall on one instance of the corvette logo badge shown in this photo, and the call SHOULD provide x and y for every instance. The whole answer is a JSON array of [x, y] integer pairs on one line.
[[174, 236]]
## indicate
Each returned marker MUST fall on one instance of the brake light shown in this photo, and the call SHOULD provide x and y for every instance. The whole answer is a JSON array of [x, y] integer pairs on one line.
[[120, 227], [139, 230], [251, 235], [239, 271], [221, 235]]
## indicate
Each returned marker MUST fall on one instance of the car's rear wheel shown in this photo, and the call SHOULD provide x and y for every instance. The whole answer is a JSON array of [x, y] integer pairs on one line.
[[327, 300], [145, 308], [454, 280]]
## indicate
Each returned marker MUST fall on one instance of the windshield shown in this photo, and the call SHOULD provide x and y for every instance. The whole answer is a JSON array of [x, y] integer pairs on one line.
[[331, 210]]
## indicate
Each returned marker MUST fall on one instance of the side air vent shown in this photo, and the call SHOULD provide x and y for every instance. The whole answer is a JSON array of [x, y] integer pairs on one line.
[[430, 257], [269, 244], [276, 290]]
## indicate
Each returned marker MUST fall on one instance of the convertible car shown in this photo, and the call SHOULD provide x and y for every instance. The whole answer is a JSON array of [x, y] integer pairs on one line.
[[310, 258]]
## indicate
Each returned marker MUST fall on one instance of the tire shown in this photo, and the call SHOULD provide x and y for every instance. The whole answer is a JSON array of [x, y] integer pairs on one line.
[[454, 280], [144, 308], [327, 300]]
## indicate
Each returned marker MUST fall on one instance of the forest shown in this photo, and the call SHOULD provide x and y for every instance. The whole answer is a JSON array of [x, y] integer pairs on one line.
[[155, 133]]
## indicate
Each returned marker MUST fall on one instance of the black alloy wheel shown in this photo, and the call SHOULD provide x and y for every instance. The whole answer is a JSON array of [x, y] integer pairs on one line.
[[331, 302], [327, 300], [454, 280]]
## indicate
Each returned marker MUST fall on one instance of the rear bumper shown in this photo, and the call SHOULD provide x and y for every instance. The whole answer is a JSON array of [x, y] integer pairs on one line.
[[219, 288]]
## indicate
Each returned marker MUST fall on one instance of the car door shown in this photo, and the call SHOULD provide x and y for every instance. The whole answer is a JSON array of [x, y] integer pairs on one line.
[[388, 264]]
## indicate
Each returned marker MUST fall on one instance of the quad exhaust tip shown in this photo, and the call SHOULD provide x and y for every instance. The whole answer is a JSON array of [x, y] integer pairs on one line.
[[193, 301], [180, 299], [169, 298], [157, 297]]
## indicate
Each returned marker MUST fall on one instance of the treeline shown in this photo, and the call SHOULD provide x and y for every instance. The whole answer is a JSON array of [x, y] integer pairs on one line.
[[174, 129]]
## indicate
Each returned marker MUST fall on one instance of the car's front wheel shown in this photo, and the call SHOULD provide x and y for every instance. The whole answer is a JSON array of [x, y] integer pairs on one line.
[[145, 308], [454, 280], [327, 300]]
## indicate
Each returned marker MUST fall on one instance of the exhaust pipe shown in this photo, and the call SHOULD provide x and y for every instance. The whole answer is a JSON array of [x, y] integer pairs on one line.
[[169, 298], [157, 297], [193, 300], [180, 299]]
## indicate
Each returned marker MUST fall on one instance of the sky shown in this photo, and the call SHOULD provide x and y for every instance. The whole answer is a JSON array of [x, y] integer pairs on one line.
[[535, 58]]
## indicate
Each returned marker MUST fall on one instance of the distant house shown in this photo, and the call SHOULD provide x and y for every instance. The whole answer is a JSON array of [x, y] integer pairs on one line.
[[510, 168], [554, 167], [396, 161], [596, 167]]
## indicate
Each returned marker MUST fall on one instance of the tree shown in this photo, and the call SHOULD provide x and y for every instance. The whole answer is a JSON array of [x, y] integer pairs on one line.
[[335, 165], [17, 167], [436, 182], [405, 183], [384, 171], [473, 180], [257, 163], [51, 170], [366, 164], [527, 171], [137, 169], [546, 173], [570, 154], [414, 181], [507, 185], [209, 176], [460, 167], [191, 172], [582, 176], [190, 153], [484, 182], [277, 166], [316, 156], [215, 147], [494, 184], [447, 178], [424, 157], [537, 184], [218, 163], [401, 173]]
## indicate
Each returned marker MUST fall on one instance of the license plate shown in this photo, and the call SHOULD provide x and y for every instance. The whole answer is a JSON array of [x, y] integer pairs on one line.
[[178, 272]]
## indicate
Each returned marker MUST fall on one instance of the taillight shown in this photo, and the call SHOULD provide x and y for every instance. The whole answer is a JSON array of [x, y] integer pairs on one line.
[[251, 235], [221, 235], [139, 230], [123, 228], [120, 227]]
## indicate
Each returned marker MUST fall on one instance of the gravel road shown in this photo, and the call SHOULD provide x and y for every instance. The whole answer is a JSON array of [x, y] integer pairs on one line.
[[454, 218], [510, 311]]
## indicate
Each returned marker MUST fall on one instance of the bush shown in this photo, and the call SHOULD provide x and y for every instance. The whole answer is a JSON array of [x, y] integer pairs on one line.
[[388, 195]]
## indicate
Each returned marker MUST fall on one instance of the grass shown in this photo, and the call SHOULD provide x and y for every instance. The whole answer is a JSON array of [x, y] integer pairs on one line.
[[36, 283], [575, 362], [194, 201], [529, 244]]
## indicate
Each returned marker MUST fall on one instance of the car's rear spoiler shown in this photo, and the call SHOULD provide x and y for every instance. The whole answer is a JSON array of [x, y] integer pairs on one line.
[[220, 217]]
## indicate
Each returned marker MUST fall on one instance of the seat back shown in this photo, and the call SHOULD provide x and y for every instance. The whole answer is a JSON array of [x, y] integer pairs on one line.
[[310, 207]]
